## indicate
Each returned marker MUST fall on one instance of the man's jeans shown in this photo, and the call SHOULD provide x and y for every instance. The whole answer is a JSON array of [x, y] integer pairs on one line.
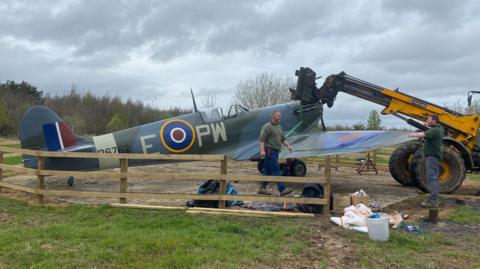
[[432, 167], [272, 168]]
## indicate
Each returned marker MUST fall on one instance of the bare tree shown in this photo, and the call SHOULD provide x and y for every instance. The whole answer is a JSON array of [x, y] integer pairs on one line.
[[463, 108], [263, 90], [474, 108], [209, 101]]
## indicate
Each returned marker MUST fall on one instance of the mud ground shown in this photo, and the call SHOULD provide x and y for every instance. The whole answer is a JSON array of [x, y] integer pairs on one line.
[[381, 188]]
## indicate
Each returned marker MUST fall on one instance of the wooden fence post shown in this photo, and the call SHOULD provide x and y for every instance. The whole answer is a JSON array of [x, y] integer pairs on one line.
[[368, 160], [327, 188], [1, 170], [223, 183], [123, 179], [40, 179]]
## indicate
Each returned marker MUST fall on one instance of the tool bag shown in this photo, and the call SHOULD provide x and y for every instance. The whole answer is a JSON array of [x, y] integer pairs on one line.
[[211, 187], [311, 190]]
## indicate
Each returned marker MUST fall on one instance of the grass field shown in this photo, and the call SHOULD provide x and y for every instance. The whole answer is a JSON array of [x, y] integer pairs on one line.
[[74, 236], [432, 250], [12, 160], [451, 245], [34, 236], [12, 146]]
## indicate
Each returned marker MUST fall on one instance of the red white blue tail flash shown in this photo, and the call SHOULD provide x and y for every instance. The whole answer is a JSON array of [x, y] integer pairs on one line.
[[58, 136]]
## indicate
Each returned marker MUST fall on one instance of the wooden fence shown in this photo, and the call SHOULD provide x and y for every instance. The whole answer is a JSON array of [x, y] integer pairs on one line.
[[123, 175], [367, 162]]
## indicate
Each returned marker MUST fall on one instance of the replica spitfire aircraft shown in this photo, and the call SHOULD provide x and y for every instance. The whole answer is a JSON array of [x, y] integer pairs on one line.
[[206, 132]]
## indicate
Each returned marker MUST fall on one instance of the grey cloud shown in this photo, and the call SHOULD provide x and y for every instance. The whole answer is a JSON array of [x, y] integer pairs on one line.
[[155, 51], [448, 14]]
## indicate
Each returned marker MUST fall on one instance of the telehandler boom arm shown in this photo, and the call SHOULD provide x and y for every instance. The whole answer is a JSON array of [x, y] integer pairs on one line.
[[462, 128]]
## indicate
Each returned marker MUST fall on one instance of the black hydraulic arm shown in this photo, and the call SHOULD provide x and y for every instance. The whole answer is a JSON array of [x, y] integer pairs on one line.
[[308, 92], [356, 87]]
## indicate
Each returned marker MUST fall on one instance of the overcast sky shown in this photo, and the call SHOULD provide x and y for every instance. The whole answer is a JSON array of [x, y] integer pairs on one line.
[[155, 51]]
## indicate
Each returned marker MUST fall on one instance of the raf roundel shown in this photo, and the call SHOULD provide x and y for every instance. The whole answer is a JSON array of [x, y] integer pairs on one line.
[[177, 135]]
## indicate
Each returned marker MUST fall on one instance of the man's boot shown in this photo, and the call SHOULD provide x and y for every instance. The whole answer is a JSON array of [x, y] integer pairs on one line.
[[430, 203], [263, 191]]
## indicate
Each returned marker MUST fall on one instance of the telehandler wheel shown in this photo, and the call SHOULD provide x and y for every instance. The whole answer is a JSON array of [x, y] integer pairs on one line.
[[452, 171], [399, 164]]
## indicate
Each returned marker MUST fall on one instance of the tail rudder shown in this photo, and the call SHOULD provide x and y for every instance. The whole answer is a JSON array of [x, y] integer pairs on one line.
[[42, 129]]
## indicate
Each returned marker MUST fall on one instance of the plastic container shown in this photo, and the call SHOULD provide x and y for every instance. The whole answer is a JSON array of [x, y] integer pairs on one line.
[[378, 227]]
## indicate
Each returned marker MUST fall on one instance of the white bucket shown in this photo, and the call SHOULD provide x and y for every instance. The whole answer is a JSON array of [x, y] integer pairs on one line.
[[378, 228]]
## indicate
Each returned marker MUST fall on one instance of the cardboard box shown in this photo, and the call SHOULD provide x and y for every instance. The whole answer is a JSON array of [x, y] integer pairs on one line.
[[355, 200], [339, 202]]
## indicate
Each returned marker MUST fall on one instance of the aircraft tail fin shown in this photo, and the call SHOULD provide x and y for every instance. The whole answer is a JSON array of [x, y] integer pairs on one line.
[[43, 129]]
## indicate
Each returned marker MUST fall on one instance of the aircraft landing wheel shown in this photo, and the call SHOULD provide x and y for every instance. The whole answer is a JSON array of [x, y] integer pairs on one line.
[[70, 181], [399, 164], [452, 172], [298, 168]]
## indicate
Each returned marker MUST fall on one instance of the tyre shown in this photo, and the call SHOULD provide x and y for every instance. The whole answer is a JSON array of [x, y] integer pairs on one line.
[[70, 181], [298, 168], [260, 165], [452, 171], [284, 171], [415, 161], [399, 164]]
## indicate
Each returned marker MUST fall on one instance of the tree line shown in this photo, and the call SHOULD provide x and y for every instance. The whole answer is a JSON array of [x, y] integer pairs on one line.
[[86, 113], [92, 115]]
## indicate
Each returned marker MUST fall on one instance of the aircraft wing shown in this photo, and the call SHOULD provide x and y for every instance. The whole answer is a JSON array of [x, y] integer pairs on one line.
[[341, 142], [248, 152]]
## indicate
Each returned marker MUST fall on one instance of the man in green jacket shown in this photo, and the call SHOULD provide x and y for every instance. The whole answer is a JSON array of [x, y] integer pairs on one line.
[[432, 149], [271, 140]]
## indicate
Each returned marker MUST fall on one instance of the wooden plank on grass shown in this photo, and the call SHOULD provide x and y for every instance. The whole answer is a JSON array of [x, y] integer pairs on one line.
[[140, 206], [255, 212], [216, 210], [245, 214]]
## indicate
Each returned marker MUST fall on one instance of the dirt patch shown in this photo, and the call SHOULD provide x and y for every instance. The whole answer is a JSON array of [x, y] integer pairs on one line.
[[4, 216], [381, 188], [453, 229], [28, 197], [416, 212], [329, 241], [419, 215], [328, 248]]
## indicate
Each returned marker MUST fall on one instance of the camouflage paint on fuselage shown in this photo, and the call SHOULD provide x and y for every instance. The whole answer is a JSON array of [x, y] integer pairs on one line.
[[196, 133]]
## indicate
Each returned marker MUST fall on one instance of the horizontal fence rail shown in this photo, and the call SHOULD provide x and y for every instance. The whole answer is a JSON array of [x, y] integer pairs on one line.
[[123, 175], [368, 161]]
